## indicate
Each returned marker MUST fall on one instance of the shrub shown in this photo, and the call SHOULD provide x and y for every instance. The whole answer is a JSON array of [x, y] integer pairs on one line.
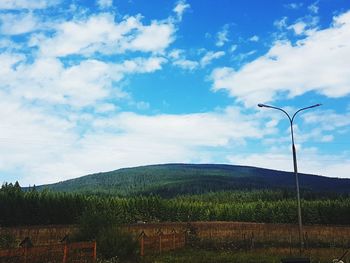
[[112, 242], [7, 241]]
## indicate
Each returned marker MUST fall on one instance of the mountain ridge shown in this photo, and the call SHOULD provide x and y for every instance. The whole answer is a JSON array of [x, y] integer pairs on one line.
[[173, 179]]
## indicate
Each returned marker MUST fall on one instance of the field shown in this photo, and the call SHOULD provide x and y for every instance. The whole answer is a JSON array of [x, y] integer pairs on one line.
[[266, 255], [214, 241], [246, 225]]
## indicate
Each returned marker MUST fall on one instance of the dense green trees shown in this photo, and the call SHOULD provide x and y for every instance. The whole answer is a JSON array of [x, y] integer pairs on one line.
[[170, 180], [32, 207]]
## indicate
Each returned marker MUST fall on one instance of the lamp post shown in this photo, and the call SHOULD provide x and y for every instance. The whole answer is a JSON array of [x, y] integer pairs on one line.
[[291, 119]]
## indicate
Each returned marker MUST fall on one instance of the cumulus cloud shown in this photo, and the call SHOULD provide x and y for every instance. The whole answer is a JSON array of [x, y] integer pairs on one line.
[[328, 120], [15, 24], [309, 161], [306, 25], [100, 33], [315, 63], [55, 82], [51, 148], [78, 85], [27, 4], [155, 37]]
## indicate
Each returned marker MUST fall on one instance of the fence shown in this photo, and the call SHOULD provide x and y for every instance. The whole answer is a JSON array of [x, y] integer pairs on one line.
[[242, 233], [161, 242], [59, 253], [338, 236], [39, 235]]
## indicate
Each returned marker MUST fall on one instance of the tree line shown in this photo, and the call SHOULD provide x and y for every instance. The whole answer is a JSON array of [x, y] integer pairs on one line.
[[33, 207]]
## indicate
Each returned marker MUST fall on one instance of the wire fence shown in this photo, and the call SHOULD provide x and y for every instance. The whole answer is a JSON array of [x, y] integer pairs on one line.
[[84, 252]]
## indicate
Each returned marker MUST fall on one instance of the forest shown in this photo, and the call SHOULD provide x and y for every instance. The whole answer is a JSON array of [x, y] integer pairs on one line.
[[29, 206], [171, 180]]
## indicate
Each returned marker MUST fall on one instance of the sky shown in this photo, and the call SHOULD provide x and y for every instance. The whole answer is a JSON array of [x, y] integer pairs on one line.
[[90, 86]]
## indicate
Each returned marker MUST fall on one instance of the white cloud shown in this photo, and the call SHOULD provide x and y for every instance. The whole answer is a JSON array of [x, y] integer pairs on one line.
[[50, 149], [8, 45], [327, 138], [186, 64], [241, 57], [200, 129], [27, 4], [105, 108], [233, 48], [15, 24], [29, 137], [315, 63], [179, 59], [254, 38], [313, 8], [222, 36], [142, 105], [155, 37], [281, 24], [180, 8], [79, 85], [99, 33], [328, 120], [104, 3], [299, 28], [307, 26], [210, 56], [309, 161], [294, 6]]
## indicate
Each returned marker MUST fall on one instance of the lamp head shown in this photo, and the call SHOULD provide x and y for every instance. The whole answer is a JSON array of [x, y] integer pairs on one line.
[[316, 105]]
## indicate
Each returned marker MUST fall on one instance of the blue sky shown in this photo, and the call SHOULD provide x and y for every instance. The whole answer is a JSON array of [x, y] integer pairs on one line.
[[92, 86]]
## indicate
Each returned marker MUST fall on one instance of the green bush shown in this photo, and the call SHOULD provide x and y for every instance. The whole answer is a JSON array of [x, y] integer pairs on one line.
[[112, 242], [7, 241]]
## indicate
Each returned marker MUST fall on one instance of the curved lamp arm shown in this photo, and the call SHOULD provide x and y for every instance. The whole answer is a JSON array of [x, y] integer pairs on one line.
[[290, 119]]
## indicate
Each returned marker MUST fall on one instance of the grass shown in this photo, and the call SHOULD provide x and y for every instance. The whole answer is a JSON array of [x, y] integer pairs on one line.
[[269, 255]]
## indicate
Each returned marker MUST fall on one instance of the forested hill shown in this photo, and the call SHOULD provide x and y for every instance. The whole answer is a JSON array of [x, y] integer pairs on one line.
[[169, 180]]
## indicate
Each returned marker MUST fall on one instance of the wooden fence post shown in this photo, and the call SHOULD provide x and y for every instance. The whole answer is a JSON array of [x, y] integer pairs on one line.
[[94, 256], [160, 233], [65, 252], [142, 243], [25, 254], [174, 238], [26, 243], [306, 241], [252, 241]]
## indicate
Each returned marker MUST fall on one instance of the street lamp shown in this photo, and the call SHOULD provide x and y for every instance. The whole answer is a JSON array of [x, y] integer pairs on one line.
[[294, 162]]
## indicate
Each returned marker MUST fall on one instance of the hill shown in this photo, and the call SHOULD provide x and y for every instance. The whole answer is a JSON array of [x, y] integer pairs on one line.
[[169, 180]]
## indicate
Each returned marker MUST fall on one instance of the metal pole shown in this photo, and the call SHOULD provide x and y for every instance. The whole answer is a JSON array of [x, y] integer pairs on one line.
[[301, 241], [294, 165]]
